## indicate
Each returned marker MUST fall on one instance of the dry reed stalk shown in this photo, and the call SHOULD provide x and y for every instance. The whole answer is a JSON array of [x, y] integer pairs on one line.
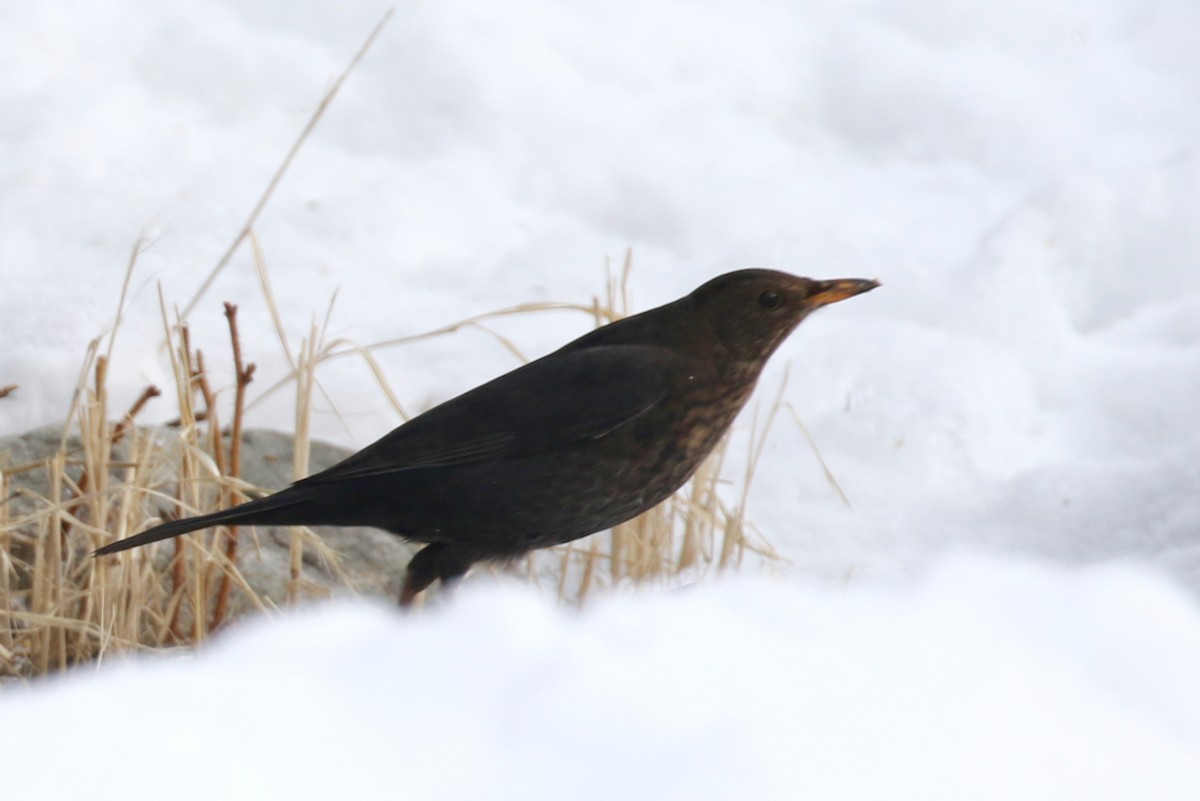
[[306, 379], [812, 444], [248, 225], [7, 573], [210, 415], [185, 382]]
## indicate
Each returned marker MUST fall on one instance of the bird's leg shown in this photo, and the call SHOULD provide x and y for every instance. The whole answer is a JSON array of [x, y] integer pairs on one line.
[[421, 572], [452, 566], [438, 560]]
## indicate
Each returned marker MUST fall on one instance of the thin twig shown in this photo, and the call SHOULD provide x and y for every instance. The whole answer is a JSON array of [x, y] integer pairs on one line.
[[209, 413], [348, 348], [245, 374], [119, 430], [283, 167], [812, 443], [138, 247], [117, 433]]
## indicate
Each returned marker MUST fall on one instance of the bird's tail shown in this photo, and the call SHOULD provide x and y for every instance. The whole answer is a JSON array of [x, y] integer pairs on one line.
[[276, 509]]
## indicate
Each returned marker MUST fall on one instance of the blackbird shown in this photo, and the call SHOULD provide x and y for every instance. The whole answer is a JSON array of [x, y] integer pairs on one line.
[[576, 442]]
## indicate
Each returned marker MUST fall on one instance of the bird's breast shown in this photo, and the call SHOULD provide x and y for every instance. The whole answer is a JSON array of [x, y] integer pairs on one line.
[[681, 431]]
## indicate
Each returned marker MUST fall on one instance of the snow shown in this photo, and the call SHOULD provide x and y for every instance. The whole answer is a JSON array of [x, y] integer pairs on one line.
[[1021, 176], [984, 680]]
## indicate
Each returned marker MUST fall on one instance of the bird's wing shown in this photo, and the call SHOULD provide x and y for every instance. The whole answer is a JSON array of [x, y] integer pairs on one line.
[[561, 398]]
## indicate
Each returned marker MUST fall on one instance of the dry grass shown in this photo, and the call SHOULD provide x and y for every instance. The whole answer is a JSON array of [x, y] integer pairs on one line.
[[109, 478], [59, 607]]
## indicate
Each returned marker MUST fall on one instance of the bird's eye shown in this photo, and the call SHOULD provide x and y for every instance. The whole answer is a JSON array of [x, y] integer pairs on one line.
[[770, 299]]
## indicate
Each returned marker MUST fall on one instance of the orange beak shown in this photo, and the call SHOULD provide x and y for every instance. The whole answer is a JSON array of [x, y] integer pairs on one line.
[[839, 289]]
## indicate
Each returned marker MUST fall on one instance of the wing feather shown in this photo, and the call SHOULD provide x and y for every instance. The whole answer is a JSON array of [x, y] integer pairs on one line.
[[543, 405]]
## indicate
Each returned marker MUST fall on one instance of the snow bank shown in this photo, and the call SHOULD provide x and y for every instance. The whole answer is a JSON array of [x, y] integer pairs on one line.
[[985, 679]]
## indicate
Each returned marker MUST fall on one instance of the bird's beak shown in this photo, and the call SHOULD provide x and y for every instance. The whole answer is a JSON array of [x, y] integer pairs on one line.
[[839, 289]]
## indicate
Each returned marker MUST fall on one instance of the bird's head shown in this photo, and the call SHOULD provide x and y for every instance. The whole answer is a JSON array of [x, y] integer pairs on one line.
[[752, 311]]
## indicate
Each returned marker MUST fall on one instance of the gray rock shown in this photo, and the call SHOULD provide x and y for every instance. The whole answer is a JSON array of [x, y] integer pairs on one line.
[[367, 560], [371, 560]]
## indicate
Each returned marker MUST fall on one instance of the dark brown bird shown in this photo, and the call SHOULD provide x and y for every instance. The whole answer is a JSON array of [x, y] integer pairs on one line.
[[576, 442]]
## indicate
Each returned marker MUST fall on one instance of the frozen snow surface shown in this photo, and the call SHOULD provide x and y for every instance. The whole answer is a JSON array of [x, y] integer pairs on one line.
[[1022, 176], [984, 681]]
